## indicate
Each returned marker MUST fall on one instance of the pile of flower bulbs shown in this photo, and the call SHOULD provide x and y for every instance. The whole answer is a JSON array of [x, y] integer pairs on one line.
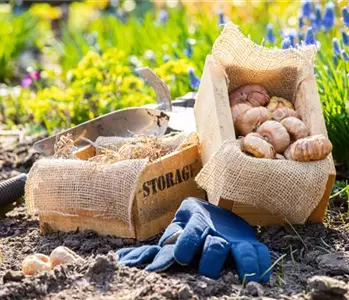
[[271, 127]]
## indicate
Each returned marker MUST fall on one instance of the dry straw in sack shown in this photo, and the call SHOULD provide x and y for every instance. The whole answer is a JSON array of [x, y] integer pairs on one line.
[[87, 188], [289, 189]]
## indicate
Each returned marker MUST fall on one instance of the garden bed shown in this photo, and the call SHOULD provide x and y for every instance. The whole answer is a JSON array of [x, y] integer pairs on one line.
[[102, 278]]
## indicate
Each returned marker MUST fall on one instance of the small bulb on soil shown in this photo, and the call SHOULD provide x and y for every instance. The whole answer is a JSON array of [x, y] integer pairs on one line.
[[36, 263], [63, 255]]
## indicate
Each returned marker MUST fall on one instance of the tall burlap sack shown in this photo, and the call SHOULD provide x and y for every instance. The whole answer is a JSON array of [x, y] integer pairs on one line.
[[288, 189], [73, 187]]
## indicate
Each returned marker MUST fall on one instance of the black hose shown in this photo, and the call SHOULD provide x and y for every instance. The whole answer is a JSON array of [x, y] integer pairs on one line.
[[12, 189]]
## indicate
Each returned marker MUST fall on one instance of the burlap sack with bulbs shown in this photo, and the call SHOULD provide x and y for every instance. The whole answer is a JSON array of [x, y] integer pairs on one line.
[[287, 189], [113, 196]]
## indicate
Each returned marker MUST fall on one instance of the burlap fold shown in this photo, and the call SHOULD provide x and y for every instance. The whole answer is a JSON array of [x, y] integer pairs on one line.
[[279, 70], [288, 189]]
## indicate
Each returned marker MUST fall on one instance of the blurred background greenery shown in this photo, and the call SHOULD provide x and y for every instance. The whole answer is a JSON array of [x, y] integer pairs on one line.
[[63, 64]]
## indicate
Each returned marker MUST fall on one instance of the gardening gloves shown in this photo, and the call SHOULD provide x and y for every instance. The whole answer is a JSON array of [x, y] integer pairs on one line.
[[213, 232]]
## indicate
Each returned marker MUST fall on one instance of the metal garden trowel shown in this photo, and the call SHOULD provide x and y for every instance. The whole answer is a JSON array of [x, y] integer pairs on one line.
[[129, 121]]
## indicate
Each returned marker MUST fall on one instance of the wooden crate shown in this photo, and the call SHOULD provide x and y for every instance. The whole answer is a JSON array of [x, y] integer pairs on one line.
[[215, 125], [163, 185]]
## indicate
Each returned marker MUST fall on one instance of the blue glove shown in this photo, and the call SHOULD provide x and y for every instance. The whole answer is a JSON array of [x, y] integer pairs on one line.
[[216, 233]]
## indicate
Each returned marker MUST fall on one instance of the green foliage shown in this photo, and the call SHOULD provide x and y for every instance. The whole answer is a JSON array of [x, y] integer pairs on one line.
[[98, 85], [333, 86], [17, 33]]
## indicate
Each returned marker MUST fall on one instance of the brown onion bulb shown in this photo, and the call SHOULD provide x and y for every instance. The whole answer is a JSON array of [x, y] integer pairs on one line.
[[284, 112], [63, 255], [276, 134], [251, 119], [316, 147], [238, 109], [253, 94], [36, 263], [254, 144], [278, 102], [295, 128]]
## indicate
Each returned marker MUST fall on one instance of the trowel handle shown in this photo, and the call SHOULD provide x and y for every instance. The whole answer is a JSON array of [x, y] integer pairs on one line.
[[12, 189], [163, 96]]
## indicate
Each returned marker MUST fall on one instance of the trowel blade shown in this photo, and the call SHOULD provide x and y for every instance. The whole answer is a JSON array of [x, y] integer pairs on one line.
[[123, 123]]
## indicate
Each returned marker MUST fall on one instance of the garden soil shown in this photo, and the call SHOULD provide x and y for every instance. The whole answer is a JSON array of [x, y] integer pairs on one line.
[[313, 263]]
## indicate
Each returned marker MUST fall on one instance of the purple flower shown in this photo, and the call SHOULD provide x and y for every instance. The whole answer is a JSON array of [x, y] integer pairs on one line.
[[345, 56], [300, 22], [221, 18], [345, 14], [193, 79], [163, 16], [306, 8], [27, 81], [270, 34], [310, 37], [345, 37], [328, 18], [286, 43], [336, 47], [35, 75]]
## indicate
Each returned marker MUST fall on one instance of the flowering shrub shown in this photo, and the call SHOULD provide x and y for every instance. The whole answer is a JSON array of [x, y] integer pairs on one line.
[[98, 85]]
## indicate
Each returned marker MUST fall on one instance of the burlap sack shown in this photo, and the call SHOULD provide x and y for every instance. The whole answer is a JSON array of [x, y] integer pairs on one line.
[[85, 188], [288, 189]]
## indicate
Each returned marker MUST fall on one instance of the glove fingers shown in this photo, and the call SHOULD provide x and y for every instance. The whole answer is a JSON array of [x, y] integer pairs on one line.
[[140, 256], [171, 234], [214, 255], [163, 260], [246, 260], [191, 240], [124, 251], [264, 261]]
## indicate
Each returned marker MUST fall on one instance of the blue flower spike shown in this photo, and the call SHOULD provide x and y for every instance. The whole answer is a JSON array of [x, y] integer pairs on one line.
[[163, 16], [221, 18], [189, 50], [286, 43], [306, 8], [345, 37], [345, 13], [310, 37], [193, 79], [336, 48], [345, 55], [300, 22], [316, 18], [329, 17], [270, 34]]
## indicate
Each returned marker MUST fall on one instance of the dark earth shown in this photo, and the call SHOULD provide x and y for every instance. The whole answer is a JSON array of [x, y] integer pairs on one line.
[[312, 261]]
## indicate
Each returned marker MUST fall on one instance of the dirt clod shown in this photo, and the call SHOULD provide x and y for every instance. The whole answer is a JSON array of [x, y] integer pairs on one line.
[[335, 263], [323, 287]]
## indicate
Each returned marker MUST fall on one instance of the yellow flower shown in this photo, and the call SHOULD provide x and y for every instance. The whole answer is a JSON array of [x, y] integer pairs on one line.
[[46, 11]]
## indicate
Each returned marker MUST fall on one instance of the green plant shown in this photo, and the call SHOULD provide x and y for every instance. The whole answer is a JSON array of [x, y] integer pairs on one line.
[[98, 85], [17, 33]]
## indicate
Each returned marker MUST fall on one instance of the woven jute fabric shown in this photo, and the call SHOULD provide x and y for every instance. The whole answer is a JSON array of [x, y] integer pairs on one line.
[[286, 188], [279, 70], [75, 187], [289, 189]]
